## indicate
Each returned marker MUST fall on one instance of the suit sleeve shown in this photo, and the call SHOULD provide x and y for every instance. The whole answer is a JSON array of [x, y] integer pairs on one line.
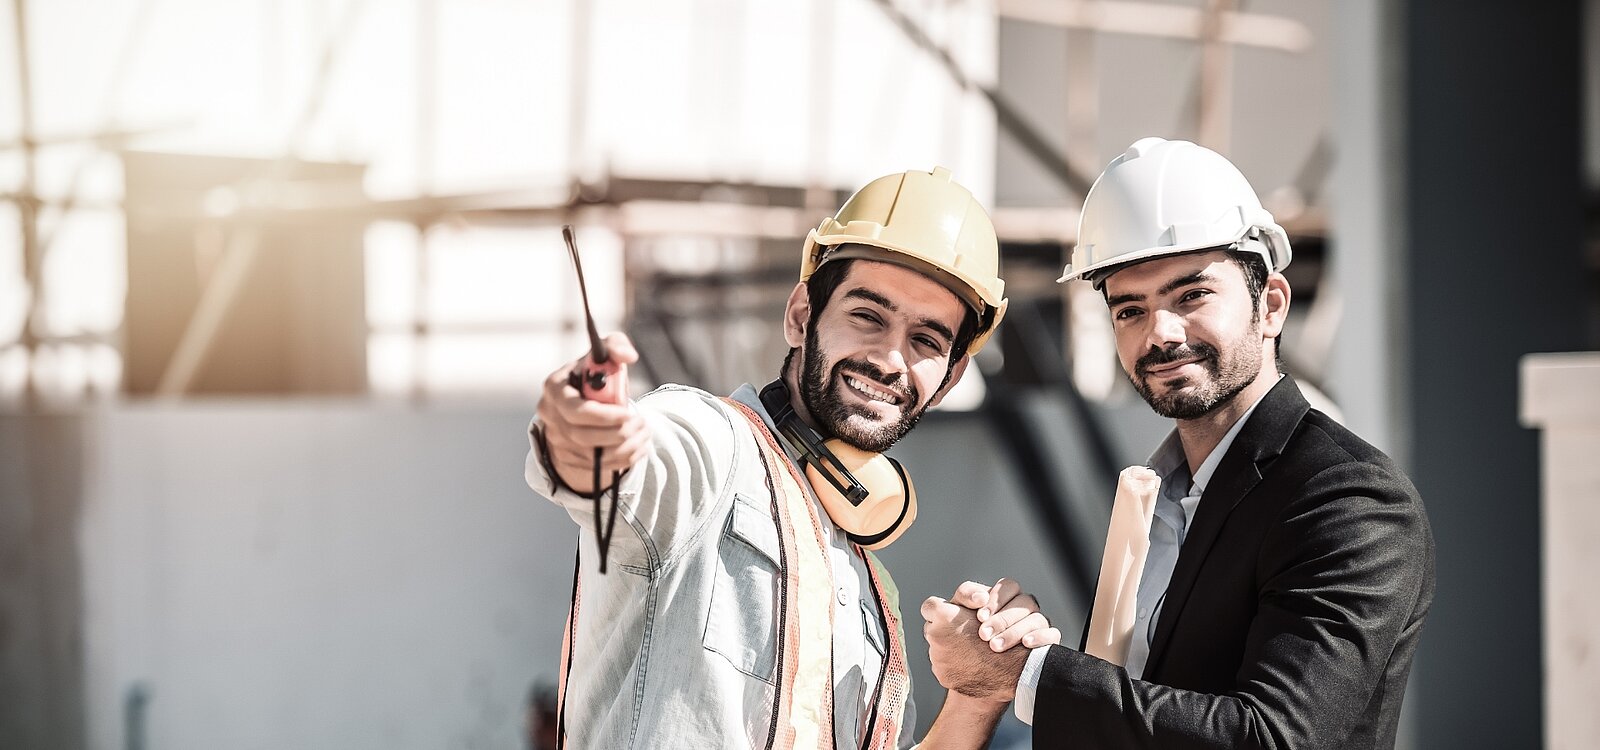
[[1340, 577]]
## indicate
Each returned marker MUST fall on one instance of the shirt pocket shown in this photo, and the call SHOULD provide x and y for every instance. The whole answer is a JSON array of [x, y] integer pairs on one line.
[[742, 621]]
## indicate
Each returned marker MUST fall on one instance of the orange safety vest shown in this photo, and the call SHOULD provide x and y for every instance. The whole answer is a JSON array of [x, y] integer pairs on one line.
[[802, 715]]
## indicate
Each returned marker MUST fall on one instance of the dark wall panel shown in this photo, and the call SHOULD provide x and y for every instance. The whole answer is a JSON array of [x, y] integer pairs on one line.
[[1491, 162]]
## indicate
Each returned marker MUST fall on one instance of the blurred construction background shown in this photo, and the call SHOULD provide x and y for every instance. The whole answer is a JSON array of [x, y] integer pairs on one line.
[[279, 280]]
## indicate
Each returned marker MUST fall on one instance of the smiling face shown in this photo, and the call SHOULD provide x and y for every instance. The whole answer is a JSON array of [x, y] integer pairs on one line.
[[1187, 334], [878, 354]]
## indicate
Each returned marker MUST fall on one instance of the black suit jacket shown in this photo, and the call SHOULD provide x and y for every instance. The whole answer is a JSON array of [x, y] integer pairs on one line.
[[1293, 611]]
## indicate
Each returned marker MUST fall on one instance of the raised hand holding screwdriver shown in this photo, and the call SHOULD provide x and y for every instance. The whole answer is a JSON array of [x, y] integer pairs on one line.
[[589, 428]]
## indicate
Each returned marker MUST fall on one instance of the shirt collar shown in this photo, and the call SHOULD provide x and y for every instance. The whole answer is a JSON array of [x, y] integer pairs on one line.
[[1168, 458], [748, 395]]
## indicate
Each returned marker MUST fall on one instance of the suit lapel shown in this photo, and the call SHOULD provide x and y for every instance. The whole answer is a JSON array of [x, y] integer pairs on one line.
[[1260, 440]]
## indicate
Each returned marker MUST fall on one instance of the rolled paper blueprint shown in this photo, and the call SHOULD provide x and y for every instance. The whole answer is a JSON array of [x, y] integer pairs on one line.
[[1116, 596]]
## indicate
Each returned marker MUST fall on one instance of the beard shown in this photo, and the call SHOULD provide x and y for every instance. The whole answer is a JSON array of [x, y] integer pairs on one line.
[[821, 391], [1228, 375]]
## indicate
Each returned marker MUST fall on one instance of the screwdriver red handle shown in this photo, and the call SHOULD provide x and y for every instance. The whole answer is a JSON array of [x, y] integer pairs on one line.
[[598, 381]]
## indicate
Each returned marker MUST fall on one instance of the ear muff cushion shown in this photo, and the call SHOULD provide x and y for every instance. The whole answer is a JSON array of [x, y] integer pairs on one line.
[[908, 510]]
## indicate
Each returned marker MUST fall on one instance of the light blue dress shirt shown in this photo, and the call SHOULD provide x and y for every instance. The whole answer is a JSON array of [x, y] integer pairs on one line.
[[1174, 510]]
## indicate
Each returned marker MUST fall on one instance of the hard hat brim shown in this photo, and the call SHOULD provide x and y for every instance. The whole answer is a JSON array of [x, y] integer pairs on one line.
[[1273, 242], [989, 313]]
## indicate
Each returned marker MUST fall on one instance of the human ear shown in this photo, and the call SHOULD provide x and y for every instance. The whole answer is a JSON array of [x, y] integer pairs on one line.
[[1275, 305], [950, 382], [796, 314]]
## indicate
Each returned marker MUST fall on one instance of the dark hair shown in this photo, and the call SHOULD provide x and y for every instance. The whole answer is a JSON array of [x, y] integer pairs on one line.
[[1254, 268], [1255, 273], [828, 277]]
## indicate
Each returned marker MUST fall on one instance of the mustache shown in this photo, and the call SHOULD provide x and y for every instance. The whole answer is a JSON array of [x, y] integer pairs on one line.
[[896, 384], [1159, 357]]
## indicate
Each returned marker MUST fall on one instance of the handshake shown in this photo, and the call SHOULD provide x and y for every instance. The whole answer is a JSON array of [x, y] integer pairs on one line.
[[973, 638]]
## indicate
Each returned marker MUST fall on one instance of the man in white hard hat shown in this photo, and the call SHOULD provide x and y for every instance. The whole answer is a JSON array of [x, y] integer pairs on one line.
[[1290, 564], [741, 606]]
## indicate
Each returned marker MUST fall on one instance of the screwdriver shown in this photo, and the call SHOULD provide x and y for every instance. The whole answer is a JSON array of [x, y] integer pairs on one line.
[[597, 378]]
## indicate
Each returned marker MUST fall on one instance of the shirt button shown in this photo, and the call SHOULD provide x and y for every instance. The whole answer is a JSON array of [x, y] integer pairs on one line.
[[1142, 612], [844, 597]]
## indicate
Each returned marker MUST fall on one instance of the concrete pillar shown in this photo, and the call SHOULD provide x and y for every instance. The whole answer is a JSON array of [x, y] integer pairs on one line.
[[1559, 397], [41, 591]]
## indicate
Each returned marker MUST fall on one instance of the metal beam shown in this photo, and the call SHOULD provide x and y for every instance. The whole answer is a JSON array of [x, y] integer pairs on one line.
[[107, 138], [28, 207], [1215, 104], [1161, 20], [1010, 120]]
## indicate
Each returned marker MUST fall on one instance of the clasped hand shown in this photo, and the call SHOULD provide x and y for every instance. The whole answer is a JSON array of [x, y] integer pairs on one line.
[[972, 637]]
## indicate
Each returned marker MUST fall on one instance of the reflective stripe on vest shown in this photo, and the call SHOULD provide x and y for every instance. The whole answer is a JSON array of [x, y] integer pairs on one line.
[[810, 593]]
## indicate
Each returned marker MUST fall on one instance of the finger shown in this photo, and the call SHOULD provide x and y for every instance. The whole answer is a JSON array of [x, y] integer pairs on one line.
[[591, 437], [595, 423], [971, 595], [610, 437], [930, 608], [1013, 635], [620, 347], [615, 462], [561, 402], [569, 454], [581, 412], [580, 462], [1004, 592], [1000, 595], [1019, 607], [622, 460], [558, 379], [576, 477], [1046, 637], [634, 449]]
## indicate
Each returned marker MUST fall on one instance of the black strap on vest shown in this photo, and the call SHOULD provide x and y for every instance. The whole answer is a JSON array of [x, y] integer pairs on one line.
[[805, 441], [572, 647]]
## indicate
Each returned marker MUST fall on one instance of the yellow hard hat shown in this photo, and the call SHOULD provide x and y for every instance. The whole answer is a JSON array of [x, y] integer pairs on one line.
[[928, 223]]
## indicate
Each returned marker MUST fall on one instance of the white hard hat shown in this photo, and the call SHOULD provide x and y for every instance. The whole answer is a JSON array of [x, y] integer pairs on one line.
[[1164, 197]]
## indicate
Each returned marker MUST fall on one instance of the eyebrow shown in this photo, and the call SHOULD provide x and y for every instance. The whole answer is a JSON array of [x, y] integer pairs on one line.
[[883, 302], [1198, 277]]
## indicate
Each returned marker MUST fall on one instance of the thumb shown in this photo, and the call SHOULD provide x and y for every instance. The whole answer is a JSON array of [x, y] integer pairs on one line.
[[621, 348]]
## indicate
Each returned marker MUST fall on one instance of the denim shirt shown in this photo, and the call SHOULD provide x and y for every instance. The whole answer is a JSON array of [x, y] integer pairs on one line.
[[676, 646]]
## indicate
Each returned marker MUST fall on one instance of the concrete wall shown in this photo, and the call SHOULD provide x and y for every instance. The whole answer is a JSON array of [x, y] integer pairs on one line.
[[1492, 269], [311, 575]]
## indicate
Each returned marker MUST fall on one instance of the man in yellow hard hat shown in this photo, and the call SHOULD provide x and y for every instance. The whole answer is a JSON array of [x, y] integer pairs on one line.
[[742, 606], [1290, 564]]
